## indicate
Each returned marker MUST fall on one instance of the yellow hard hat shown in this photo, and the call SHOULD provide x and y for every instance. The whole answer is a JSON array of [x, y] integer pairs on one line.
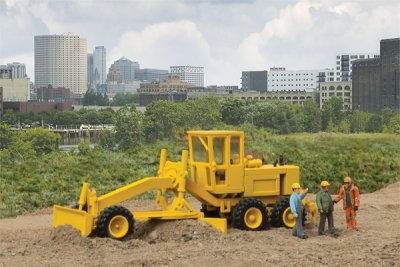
[[324, 183], [295, 185], [347, 180]]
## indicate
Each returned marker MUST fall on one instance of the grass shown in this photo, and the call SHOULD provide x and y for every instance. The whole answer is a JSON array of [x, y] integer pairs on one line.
[[372, 160]]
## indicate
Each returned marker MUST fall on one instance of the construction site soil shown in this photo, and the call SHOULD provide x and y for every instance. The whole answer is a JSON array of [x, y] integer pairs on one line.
[[29, 240]]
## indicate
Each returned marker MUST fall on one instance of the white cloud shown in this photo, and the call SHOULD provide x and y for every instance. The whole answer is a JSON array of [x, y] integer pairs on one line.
[[308, 34], [226, 37], [165, 44]]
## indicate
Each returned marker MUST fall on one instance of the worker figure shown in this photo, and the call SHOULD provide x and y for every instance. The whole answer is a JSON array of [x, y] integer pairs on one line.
[[325, 208], [297, 209], [350, 195]]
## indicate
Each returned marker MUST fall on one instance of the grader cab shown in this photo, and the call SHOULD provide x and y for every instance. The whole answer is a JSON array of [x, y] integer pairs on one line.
[[226, 182]]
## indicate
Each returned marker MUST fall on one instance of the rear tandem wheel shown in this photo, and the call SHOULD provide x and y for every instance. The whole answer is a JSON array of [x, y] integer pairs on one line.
[[282, 215]]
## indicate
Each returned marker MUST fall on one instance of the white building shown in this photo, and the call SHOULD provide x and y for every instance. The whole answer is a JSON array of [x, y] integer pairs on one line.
[[190, 74], [344, 64], [15, 89], [280, 79], [61, 61], [99, 65]]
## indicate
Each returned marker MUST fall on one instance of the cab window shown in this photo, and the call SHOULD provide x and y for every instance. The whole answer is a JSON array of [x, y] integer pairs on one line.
[[200, 151], [235, 150], [219, 148]]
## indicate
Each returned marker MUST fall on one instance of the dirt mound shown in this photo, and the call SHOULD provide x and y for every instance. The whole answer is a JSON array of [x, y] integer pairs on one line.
[[65, 233], [178, 231]]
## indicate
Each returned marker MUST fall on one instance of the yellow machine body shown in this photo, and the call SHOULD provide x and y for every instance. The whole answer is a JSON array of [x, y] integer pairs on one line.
[[220, 167], [222, 176]]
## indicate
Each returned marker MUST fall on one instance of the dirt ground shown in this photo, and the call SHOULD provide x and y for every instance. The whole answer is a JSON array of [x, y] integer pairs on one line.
[[29, 240]]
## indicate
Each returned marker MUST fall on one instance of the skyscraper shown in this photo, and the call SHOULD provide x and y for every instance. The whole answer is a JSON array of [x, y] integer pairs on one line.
[[61, 61], [99, 65], [90, 80], [127, 68], [190, 74]]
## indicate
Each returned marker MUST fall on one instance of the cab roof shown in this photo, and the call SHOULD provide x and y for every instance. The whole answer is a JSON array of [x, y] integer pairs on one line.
[[215, 132]]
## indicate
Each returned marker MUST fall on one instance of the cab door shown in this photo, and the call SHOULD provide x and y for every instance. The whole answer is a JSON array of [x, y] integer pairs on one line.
[[227, 164], [200, 161], [235, 171]]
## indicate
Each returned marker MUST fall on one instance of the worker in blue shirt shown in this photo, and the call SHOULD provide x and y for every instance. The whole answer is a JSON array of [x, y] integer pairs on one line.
[[297, 209]]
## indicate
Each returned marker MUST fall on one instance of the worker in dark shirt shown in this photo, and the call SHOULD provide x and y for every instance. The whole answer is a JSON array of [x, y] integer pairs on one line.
[[325, 208]]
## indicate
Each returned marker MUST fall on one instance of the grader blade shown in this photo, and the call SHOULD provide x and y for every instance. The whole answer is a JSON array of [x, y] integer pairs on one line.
[[78, 219], [218, 223]]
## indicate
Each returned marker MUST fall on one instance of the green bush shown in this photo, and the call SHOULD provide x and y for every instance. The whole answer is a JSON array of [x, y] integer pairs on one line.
[[42, 140]]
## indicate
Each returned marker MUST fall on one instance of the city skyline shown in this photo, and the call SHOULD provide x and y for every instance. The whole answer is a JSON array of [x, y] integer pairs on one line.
[[225, 37]]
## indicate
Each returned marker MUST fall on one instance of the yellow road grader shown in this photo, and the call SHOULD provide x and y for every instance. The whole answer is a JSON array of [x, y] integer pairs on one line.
[[229, 185]]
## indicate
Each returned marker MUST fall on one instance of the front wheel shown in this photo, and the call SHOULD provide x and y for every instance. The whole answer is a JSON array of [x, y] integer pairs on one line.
[[116, 222]]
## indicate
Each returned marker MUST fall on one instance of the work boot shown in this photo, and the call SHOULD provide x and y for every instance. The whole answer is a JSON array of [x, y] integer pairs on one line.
[[321, 233], [303, 237], [334, 235]]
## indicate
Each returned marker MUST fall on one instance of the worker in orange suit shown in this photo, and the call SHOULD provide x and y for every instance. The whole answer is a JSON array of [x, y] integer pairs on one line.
[[350, 195]]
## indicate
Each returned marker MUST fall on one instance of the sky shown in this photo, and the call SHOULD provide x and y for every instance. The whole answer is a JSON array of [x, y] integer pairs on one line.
[[225, 37]]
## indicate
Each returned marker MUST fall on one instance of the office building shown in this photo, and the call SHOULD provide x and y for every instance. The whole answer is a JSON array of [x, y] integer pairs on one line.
[[13, 70], [15, 89], [173, 89], [341, 90], [18, 70], [114, 74], [280, 79], [189, 74], [254, 81], [5, 72], [90, 78], [151, 75], [50, 94], [366, 85], [344, 64], [127, 68], [293, 96], [61, 61], [390, 74], [99, 66], [376, 81]]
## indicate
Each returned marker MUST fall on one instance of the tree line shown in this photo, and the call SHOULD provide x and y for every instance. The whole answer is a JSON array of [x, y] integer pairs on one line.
[[164, 119], [93, 98]]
